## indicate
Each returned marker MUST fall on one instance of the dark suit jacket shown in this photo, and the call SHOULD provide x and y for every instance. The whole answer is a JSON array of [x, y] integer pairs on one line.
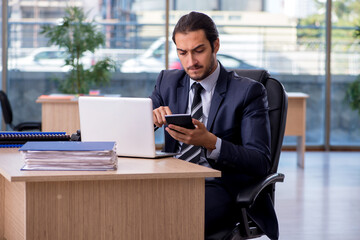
[[238, 115]]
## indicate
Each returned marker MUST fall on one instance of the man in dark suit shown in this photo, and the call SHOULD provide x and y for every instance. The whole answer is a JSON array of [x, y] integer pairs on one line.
[[232, 133]]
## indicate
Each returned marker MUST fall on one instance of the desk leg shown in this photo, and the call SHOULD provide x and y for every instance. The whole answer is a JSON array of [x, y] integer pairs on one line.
[[300, 149], [2, 206], [14, 201]]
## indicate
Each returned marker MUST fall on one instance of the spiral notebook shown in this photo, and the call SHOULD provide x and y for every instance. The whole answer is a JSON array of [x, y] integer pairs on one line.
[[17, 139]]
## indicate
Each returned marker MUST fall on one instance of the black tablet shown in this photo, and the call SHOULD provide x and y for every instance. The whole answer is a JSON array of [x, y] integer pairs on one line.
[[182, 120]]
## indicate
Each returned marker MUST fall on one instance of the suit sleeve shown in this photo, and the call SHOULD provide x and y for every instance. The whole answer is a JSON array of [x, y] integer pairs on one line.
[[156, 96], [252, 155]]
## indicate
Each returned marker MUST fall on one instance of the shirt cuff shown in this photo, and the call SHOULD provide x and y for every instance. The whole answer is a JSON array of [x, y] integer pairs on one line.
[[214, 154]]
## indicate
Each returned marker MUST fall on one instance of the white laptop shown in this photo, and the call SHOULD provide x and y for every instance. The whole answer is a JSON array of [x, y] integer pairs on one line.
[[127, 121]]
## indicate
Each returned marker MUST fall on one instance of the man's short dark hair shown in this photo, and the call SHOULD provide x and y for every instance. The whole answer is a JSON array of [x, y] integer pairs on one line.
[[197, 21]]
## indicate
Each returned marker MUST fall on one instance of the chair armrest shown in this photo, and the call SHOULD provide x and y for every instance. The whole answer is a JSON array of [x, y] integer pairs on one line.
[[246, 197], [28, 126]]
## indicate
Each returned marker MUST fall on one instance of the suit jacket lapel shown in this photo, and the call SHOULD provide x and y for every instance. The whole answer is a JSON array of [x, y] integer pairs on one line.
[[182, 94], [219, 94]]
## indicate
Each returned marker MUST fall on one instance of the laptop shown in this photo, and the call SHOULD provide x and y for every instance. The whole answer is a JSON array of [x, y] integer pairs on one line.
[[127, 121]]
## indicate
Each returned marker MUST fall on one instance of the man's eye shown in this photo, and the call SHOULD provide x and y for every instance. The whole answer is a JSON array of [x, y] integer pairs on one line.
[[199, 51], [182, 53]]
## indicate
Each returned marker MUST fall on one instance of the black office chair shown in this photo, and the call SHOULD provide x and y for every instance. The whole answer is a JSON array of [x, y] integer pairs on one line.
[[8, 117], [246, 228]]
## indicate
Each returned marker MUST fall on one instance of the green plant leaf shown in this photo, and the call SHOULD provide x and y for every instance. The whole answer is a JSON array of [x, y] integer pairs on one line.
[[76, 36]]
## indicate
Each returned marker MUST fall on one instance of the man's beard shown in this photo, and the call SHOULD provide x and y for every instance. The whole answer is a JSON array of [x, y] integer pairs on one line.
[[206, 73]]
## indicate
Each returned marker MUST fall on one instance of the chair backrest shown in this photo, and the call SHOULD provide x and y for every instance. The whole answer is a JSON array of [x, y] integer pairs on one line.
[[6, 107], [277, 99]]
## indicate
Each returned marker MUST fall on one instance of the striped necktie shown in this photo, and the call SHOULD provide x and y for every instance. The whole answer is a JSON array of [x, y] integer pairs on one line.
[[191, 153]]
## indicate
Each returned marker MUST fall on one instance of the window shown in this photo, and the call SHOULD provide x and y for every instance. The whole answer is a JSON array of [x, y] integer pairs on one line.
[[129, 26], [345, 57], [288, 38]]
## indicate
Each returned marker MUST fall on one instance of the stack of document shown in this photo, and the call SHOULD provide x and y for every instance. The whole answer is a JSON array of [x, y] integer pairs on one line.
[[90, 156]]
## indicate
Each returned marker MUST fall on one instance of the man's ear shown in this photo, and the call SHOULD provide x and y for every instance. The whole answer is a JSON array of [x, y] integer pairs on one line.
[[216, 45]]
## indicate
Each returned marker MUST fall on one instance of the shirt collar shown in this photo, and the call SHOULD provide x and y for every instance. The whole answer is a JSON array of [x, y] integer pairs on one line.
[[209, 82]]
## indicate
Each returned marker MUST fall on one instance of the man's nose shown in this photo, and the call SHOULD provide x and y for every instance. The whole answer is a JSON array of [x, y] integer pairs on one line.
[[191, 60]]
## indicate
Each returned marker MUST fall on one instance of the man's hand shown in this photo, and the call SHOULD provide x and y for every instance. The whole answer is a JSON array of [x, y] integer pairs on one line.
[[159, 115], [199, 136]]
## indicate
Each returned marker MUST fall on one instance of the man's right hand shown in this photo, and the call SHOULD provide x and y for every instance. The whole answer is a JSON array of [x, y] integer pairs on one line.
[[159, 115]]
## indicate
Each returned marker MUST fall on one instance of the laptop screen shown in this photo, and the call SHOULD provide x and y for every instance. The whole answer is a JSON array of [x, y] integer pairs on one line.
[[127, 121]]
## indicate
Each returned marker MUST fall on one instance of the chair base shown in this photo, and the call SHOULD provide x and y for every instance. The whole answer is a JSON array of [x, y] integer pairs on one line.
[[226, 234], [234, 233]]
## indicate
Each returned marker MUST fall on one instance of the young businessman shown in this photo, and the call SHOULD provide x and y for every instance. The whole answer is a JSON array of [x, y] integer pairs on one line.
[[232, 131]]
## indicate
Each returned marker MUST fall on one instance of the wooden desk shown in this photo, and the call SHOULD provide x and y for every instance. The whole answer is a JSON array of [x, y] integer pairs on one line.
[[296, 122], [143, 199], [59, 114]]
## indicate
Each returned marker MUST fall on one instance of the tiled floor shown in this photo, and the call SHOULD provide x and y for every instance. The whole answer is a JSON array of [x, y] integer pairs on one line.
[[321, 201]]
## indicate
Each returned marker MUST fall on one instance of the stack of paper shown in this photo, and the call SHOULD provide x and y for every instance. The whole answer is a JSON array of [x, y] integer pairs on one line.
[[90, 156]]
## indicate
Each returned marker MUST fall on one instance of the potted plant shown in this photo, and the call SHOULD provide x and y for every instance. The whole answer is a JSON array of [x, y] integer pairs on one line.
[[353, 91], [77, 36]]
